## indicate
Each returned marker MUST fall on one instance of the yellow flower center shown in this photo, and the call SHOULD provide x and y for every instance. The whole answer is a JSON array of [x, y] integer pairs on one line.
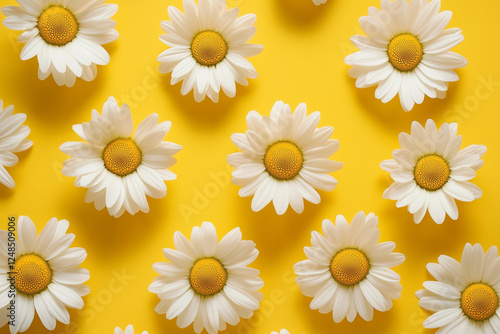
[[349, 266], [57, 26], [208, 276], [209, 48], [122, 156], [479, 301], [283, 160], [432, 172], [31, 274], [405, 52]]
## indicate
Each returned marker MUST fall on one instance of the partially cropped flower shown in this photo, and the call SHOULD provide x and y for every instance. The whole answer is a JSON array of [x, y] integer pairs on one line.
[[319, 2], [65, 35], [284, 158], [12, 140], [206, 282], [430, 171], [208, 47], [128, 330], [117, 169], [283, 331], [407, 51], [348, 271], [46, 275], [465, 296]]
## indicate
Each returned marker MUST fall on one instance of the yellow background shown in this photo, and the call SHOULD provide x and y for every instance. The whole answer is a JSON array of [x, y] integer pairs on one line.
[[302, 61]]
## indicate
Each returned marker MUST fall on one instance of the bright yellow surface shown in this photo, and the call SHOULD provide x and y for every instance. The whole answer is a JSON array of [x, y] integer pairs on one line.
[[302, 62]]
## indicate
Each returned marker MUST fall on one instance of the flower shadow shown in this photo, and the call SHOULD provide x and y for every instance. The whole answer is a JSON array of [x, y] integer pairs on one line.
[[323, 323], [302, 13], [285, 230], [101, 232], [6, 192], [437, 239], [392, 116], [422, 244], [205, 113], [52, 104]]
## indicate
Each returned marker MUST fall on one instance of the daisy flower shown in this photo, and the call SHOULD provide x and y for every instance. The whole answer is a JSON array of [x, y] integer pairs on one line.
[[117, 169], [406, 51], [284, 158], [207, 282], [430, 172], [208, 47], [12, 140], [347, 271], [465, 295], [128, 330], [283, 331], [319, 2], [45, 276], [65, 35]]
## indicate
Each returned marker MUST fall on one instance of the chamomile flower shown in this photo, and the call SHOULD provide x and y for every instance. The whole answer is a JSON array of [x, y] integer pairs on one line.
[[284, 158], [407, 51], [430, 171], [45, 276], [117, 169], [12, 140], [206, 282], [465, 296], [208, 47], [319, 2], [128, 330], [283, 331], [347, 271], [65, 35]]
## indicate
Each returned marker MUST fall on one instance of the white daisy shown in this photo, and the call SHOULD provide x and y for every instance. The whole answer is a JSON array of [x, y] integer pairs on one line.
[[347, 271], [406, 51], [65, 35], [283, 331], [207, 282], [45, 276], [319, 2], [208, 46], [12, 140], [465, 296], [128, 330], [430, 172], [284, 158], [120, 170]]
